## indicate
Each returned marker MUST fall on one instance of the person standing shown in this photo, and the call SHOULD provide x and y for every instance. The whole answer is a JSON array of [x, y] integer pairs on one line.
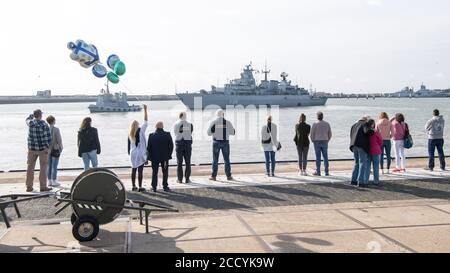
[[321, 136], [270, 144], [301, 139], [159, 150], [137, 149], [376, 141], [88, 144], [399, 130], [384, 127], [435, 132], [55, 151], [221, 129], [360, 147], [39, 139], [183, 147]]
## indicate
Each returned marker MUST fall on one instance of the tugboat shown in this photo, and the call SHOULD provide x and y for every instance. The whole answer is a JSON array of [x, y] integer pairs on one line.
[[107, 102], [246, 91]]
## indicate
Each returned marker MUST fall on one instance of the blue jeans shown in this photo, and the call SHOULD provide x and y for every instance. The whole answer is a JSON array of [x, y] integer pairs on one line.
[[439, 145], [90, 157], [360, 166], [270, 162], [321, 148], [373, 160], [386, 151], [223, 146], [52, 170]]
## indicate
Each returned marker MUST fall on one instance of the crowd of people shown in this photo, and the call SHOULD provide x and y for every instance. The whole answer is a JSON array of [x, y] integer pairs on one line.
[[370, 142]]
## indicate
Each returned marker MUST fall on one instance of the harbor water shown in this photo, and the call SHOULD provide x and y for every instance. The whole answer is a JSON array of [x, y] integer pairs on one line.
[[245, 147]]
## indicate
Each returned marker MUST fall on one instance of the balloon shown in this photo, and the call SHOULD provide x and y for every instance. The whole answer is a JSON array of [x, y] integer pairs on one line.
[[85, 54], [112, 60], [112, 77], [120, 68], [99, 71]]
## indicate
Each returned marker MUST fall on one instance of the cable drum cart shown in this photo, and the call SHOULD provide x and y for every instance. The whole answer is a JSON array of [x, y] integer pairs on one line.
[[97, 198]]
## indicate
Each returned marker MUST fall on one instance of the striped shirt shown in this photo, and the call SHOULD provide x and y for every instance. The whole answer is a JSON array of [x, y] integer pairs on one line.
[[39, 136]]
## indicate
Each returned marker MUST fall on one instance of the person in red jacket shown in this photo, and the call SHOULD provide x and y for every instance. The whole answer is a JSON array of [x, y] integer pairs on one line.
[[376, 141]]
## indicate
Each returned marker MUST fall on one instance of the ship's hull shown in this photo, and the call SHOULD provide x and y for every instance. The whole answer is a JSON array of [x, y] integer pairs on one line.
[[112, 109], [202, 101]]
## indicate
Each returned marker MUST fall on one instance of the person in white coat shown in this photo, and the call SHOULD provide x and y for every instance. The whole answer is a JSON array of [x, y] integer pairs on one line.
[[137, 149], [270, 144]]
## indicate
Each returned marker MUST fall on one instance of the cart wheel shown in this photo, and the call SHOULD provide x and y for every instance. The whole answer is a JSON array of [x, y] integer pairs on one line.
[[73, 218], [85, 229]]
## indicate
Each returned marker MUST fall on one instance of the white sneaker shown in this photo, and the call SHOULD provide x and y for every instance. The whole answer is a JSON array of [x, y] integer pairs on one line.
[[300, 173], [55, 183], [382, 171], [50, 182], [305, 173]]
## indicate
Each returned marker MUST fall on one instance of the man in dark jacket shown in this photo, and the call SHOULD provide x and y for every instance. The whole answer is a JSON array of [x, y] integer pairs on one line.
[[360, 146], [160, 148]]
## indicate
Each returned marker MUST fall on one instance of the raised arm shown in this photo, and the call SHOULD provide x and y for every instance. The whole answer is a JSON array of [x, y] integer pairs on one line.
[[145, 112]]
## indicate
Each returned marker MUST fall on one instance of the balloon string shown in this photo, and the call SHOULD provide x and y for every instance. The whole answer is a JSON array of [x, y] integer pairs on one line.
[[129, 91]]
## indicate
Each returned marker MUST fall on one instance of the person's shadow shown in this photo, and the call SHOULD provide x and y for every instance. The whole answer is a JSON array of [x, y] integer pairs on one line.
[[291, 244]]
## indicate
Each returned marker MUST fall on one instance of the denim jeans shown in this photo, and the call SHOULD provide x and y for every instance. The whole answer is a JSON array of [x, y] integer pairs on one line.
[[360, 166], [223, 146], [321, 148], [52, 170], [90, 157], [373, 160], [270, 162], [439, 145], [386, 151]]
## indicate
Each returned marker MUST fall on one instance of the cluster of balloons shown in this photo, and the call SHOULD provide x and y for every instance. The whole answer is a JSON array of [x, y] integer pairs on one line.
[[87, 56]]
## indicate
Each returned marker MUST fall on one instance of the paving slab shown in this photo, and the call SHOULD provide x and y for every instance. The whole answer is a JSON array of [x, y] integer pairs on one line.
[[361, 241], [445, 207], [295, 222], [193, 228], [228, 245], [430, 239], [399, 216], [58, 238]]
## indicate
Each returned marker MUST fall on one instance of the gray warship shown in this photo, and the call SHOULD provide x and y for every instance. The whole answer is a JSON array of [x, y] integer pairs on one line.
[[245, 91], [107, 102]]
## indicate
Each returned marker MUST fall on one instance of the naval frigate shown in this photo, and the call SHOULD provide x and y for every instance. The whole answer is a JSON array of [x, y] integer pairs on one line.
[[245, 91]]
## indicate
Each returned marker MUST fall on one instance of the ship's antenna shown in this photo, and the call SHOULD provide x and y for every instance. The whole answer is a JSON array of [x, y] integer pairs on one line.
[[266, 72]]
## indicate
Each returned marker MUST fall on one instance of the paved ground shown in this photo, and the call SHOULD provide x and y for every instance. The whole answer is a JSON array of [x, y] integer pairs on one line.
[[387, 226], [288, 213]]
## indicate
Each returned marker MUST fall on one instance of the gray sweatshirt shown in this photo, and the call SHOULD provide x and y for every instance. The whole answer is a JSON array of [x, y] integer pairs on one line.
[[321, 131], [435, 127]]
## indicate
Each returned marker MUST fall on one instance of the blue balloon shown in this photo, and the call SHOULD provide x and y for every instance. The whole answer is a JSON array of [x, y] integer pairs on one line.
[[112, 60], [99, 71]]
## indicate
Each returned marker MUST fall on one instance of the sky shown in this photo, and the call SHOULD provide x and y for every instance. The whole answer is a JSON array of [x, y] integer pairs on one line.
[[188, 45]]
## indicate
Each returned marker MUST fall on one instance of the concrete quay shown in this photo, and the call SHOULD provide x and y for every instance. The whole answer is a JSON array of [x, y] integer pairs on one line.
[[409, 213]]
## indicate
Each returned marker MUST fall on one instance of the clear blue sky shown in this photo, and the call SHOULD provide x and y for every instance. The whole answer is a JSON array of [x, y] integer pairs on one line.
[[335, 45]]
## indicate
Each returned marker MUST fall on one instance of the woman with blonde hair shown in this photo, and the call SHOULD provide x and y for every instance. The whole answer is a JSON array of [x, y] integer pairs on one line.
[[137, 149], [384, 126]]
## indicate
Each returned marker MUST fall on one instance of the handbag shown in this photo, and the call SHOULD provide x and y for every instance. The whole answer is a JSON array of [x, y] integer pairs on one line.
[[408, 141], [55, 153], [269, 141]]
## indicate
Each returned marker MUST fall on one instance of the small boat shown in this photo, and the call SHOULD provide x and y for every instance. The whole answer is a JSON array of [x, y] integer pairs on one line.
[[107, 102]]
